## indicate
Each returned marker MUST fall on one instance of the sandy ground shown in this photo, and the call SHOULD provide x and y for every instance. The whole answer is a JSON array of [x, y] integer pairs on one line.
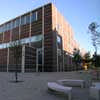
[[33, 86]]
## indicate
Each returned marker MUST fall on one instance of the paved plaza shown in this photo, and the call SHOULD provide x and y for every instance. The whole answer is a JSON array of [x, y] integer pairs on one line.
[[33, 86]]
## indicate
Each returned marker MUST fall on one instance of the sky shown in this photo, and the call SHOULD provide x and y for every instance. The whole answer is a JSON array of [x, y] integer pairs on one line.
[[79, 14]]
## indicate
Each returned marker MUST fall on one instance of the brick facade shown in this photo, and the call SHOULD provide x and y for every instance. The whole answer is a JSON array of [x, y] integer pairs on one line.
[[57, 42]]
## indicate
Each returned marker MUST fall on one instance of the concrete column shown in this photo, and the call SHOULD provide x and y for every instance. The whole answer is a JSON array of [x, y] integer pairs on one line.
[[20, 28], [11, 32], [63, 43], [3, 38], [43, 39], [23, 58], [56, 40], [30, 29], [7, 59], [36, 60]]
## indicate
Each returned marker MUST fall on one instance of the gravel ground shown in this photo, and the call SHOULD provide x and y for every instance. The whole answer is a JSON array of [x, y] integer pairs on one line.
[[33, 86]]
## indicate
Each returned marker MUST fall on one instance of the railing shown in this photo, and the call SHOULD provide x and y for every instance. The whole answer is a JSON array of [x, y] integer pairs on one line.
[[36, 68]]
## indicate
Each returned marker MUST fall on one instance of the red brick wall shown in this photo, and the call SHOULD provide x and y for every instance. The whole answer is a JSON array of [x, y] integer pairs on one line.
[[6, 37], [1, 38]]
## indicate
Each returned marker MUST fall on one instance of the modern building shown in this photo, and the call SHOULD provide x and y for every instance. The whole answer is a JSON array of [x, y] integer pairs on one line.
[[47, 41]]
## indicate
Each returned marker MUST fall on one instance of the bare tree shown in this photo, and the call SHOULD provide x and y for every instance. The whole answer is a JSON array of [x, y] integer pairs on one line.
[[95, 35], [15, 47]]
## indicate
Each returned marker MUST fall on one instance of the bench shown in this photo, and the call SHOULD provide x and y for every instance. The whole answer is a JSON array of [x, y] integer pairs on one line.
[[59, 88], [95, 91], [72, 82], [96, 84]]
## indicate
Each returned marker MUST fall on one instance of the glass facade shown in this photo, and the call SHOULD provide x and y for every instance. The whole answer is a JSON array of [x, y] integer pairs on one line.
[[23, 41]]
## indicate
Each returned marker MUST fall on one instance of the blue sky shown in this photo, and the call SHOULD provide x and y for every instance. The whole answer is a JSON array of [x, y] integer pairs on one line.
[[79, 13]]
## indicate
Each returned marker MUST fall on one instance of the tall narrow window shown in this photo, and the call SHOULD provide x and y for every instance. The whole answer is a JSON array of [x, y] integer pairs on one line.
[[11, 25], [58, 39], [23, 21], [5, 27], [8, 26], [0, 29], [34, 17], [17, 22], [14, 24], [27, 19]]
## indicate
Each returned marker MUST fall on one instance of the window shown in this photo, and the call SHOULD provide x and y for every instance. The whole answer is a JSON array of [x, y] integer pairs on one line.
[[11, 25], [1, 29], [34, 17], [5, 27], [59, 52], [39, 54], [23, 41], [8, 26], [32, 39], [58, 26], [17, 22], [14, 24], [23, 20], [58, 39], [27, 19]]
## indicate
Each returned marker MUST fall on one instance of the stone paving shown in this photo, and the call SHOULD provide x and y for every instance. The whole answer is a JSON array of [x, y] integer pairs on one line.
[[33, 86]]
